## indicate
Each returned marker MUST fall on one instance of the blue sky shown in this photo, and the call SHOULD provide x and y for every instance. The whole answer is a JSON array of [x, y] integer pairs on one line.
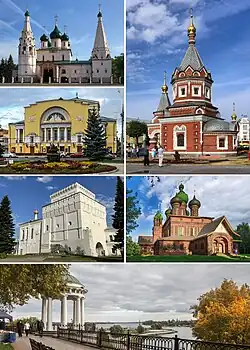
[[212, 191], [157, 41], [28, 193], [13, 101], [80, 17]]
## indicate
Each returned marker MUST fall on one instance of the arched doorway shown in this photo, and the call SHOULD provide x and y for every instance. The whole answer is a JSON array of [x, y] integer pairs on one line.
[[64, 80], [220, 246], [99, 249], [48, 73]]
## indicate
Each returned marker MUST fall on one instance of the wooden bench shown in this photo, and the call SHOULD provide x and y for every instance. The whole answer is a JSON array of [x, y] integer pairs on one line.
[[35, 345]]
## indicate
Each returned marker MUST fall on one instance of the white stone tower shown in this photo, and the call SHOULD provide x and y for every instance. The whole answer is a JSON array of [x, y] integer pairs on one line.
[[27, 51], [101, 59]]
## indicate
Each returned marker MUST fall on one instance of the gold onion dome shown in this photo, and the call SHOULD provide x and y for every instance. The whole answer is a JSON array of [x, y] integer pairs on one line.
[[191, 28], [234, 115], [164, 87]]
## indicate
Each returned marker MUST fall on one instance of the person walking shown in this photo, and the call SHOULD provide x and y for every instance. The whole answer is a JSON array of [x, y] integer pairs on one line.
[[153, 152], [146, 156], [19, 326], [27, 328], [160, 155], [41, 328]]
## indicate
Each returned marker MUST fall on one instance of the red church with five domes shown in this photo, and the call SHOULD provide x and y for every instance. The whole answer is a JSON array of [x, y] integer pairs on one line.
[[191, 124]]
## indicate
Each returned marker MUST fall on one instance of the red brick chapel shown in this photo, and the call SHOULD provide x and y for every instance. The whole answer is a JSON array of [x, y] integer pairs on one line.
[[185, 232], [191, 124]]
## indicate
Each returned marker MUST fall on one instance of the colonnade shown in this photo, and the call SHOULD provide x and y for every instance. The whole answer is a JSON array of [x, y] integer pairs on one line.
[[78, 311]]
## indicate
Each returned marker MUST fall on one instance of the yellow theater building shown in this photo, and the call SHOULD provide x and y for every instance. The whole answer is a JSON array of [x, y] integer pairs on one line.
[[61, 122]]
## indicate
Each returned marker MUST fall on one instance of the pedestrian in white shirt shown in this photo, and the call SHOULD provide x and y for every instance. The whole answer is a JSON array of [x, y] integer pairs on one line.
[[27, 328], [160, 155]]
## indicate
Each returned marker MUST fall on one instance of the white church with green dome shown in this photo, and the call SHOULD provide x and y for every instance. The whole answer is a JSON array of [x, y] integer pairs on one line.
[[53, 61]]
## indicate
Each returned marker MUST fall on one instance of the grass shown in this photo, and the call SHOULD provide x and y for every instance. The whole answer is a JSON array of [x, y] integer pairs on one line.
[[61, 258], [245, 162], [185, 258], [6, 346]]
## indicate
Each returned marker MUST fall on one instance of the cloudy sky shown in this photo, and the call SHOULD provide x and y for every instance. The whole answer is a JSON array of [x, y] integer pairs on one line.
[[80, 18], [37, 190], [13, 101], [219, 195], [157, 41], [133, 292]]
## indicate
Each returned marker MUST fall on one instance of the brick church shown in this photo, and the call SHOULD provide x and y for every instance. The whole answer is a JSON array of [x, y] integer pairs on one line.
[[185, 232], [191, 124]]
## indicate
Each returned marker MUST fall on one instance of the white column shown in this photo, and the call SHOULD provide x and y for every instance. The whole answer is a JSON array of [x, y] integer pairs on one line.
[[82, 311], [78, 310], [51, 136], [65, 134], [44, 311], [64, 311], [45, 135], [57, 74], [74, 312], [58, 134], [49, 315]]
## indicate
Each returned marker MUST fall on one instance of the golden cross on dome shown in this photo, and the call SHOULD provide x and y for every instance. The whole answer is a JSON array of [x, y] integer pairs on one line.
[[234, 106], [56, 20], [100, 7], [191, 11], [165, 77]]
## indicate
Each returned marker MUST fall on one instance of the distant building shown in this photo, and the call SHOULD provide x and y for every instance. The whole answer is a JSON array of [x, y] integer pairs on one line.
[[243, 136], [75, 219], [4, 138], [54, 61], [186, 232]]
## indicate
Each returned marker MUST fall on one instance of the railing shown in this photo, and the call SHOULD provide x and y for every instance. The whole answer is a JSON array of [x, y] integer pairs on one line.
[[105, 340]]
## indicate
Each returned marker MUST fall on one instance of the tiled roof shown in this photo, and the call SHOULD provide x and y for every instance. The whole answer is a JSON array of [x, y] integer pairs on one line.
[[191, 58], [164, 102]]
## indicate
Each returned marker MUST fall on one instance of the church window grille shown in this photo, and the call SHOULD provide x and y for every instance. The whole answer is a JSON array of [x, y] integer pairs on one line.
[[32, 233], [64, 44], [24, 48], [23, 235], [106, 71], [196, 91], [183, 91], [63, 57], [47, 227], [53, 58], [180, 140], [221, 142], [97, 71], [43, 58]]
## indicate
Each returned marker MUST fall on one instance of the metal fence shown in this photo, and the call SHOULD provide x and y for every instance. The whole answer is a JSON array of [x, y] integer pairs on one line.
[[106, 340]]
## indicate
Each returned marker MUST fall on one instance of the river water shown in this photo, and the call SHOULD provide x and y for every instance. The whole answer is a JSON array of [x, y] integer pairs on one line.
[[182, 332]]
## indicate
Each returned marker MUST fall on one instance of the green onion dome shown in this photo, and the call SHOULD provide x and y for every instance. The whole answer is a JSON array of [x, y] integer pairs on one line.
[[158, 215], [44, 38], [168, 212], [193, 202], [56, 34], [182, 195], [27, 14], [64, 37], [175, 199]]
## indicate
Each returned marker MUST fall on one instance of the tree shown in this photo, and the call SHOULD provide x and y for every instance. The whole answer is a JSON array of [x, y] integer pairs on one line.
[[7, 227], [140, 329], [118, 217], [132, 248], [118, 66], [133, 212], [10, 66], [19, 283], [223, 314], [116, 330], [95, 138], [135, 129], [244, 231]]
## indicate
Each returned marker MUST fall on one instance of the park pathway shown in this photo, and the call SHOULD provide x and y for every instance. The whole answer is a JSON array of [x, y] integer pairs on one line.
[[57, 344]]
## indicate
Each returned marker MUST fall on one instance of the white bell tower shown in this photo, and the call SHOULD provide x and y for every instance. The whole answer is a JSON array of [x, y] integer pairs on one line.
[[27, 51]]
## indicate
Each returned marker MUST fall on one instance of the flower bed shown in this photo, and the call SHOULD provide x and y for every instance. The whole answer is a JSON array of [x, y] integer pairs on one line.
[[67, 167]]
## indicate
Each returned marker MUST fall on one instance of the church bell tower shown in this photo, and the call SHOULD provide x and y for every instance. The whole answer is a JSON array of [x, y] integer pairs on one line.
[[27, 51]]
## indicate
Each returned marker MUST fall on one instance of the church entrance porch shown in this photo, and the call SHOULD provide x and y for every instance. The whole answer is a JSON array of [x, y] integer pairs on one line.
[[220, 246], [48, 73], [99, 249]]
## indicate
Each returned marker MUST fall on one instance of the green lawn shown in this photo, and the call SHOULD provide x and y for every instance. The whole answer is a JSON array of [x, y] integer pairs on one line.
[[185, 258], [58, 258], [6, 346]]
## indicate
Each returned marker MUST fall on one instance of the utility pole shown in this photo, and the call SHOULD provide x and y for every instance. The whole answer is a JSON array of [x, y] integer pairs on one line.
[[122, 120]]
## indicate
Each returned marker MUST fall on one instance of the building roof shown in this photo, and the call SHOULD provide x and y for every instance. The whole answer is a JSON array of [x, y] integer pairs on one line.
[[107, 119], [164, 102], [72, 279], [218, 125], [211, 227], [145, 239], [192, 59]]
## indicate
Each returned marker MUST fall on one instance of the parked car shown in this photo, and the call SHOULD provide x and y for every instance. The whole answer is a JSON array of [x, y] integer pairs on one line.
[[9, 155]]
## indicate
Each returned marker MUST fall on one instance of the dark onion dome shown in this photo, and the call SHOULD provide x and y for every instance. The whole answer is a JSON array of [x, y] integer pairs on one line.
[[44, 38], [56, 34], [175, 199], [158, 215], [64, 37], [168, 212], [182, 195], [193, 202], [27, 14]]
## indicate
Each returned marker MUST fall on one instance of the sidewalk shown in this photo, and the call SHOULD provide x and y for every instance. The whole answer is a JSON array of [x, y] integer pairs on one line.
[[57, 344]]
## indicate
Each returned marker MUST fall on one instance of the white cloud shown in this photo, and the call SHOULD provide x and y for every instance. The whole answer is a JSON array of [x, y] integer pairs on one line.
[[44, 179], [16, 178], [51, 188]]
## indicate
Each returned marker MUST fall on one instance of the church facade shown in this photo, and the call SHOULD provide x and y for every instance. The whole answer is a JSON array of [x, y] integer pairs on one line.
[[191, 125], [53, 60], [73, 218], [62, 122], [185, 232]]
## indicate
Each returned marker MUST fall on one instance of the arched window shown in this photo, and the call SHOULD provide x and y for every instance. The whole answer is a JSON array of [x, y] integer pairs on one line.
[[32, 233], [180, 140]]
